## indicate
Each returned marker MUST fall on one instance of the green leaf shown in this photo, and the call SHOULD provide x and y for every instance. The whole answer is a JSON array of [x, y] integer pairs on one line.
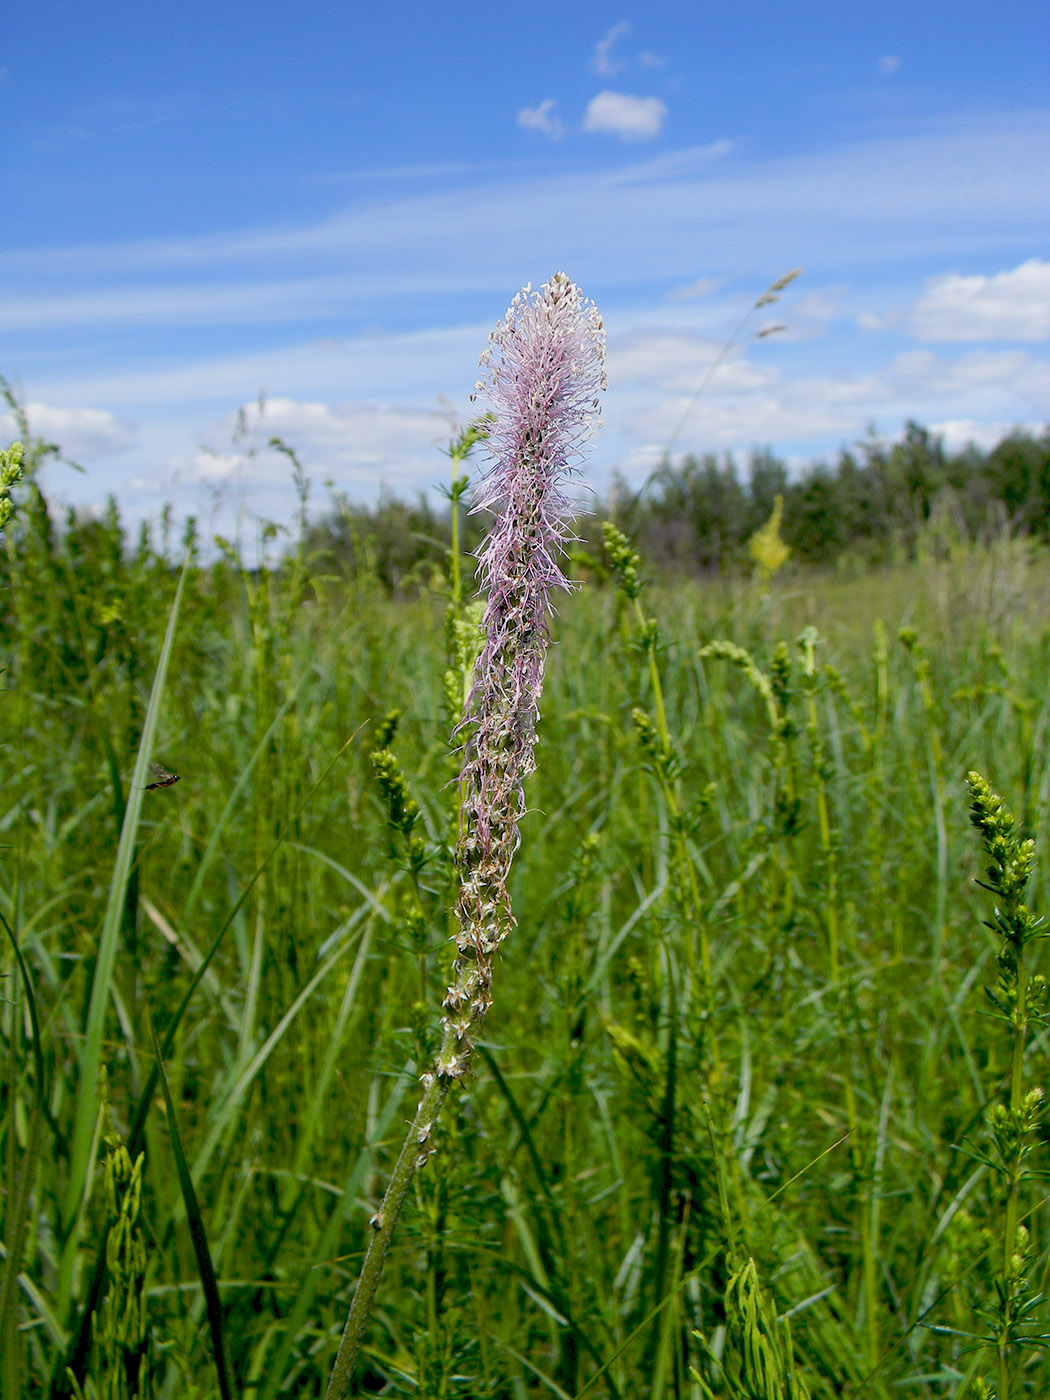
[[198, 1235]]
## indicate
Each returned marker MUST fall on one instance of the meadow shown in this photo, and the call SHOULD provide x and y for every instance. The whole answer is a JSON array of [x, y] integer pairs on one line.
[[742, 1119]]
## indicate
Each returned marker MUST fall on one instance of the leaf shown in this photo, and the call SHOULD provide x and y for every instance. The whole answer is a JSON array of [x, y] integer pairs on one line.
[[198, 1235]]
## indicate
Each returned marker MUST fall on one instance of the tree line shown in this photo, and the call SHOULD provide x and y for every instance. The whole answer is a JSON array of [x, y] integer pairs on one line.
[[873, 504]]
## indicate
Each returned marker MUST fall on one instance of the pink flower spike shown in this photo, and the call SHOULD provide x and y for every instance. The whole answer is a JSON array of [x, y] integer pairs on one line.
[[545, 367]]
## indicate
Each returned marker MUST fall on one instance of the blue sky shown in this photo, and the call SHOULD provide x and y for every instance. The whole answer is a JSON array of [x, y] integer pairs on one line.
[[325, 209]]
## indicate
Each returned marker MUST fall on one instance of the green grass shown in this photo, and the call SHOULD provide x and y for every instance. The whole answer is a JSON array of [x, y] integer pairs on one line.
[[633, 1130]]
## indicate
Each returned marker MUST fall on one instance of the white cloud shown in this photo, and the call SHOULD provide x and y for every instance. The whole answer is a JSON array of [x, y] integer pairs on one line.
[[225, 471], [1011, 305], [214, 466], [888, 64], [358, 445], [620, 114], [357, 438], [957, 433], [603, 61], [543, 118], [809, 314], [353, 449], [664, 361], [651, 60], [79, 432], [752, 399]]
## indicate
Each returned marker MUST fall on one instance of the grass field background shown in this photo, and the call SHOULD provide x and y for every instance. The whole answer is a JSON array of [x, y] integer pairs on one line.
[[741, 1017]]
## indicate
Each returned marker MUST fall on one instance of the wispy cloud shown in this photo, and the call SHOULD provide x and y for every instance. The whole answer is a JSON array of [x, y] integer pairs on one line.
[[423, 364], [1013, 305], [603, 62], [702, 287], [543, 118], [428, 170], [669, 166], [115, 116], [888, 64], [620, 114], [606, 63], [937, 191]]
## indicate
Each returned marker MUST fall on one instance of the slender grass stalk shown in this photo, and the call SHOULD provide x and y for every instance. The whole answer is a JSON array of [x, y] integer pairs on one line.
[[768, 297], [436, 1345], [545, 366]]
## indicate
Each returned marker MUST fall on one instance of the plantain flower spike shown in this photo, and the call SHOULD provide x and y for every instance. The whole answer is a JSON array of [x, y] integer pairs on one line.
[[545, 366]]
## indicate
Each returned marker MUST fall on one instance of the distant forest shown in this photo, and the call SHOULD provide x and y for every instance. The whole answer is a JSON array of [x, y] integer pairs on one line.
[[871, 507], [879, 503]]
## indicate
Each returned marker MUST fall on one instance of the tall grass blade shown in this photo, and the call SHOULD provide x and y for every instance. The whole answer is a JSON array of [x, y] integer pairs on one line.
[[90, 1057], [199, 1236]]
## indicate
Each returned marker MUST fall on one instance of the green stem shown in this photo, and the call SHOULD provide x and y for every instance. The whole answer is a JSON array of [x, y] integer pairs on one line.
[[831, 908], [413, 1154], [654, 678], [455, 564], [1002, 1388], [1020, 1029]]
